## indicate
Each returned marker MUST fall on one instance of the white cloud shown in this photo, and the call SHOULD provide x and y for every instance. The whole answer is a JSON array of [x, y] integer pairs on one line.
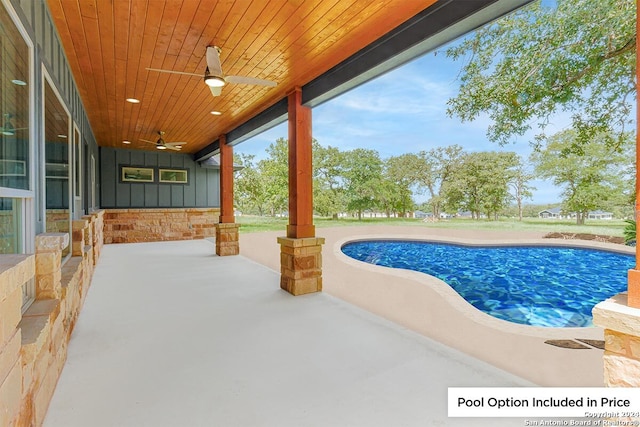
[[410, 90]]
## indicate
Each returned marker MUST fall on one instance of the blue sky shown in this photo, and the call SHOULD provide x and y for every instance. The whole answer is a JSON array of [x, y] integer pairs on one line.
[[405, 111]]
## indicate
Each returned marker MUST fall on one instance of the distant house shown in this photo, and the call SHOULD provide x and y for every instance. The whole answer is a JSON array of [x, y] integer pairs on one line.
[[557, 213], [600, 215], [554, 213]]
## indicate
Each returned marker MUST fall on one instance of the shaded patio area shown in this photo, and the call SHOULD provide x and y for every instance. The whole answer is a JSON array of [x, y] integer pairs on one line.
[[172, 335]]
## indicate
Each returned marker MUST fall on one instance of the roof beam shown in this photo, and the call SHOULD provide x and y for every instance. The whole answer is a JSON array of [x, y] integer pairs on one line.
[[437, 25]]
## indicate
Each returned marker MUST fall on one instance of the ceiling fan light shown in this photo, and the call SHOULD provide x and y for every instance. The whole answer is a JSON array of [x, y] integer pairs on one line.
[[161, 147], [214, 81]]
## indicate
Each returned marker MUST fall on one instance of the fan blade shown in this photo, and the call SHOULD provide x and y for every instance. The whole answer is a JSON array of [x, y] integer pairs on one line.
[[213, 61], [170, 144], [173, 72], [150, 142], [169, 147], [249, 81], [216, 91]]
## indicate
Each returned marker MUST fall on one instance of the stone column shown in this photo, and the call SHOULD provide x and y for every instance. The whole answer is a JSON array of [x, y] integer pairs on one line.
[[49, 248], [98, 234], [227, 239], [78, 244], [300, 250], [621, 325], [301, 264]]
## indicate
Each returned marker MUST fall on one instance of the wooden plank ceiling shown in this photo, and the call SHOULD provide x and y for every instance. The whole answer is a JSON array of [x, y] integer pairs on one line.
[[110, 43]]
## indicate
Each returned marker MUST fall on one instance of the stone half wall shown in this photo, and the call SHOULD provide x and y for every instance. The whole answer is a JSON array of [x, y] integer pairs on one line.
[[157, 224], [33, 344]]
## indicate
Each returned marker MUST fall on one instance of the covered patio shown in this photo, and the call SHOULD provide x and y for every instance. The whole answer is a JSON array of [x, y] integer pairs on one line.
[[173, 333]]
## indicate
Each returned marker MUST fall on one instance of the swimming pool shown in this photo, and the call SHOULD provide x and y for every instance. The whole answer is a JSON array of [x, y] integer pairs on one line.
[[533, 285]]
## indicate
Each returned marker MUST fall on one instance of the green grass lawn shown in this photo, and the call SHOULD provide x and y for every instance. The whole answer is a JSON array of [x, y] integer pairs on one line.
[[252, 224]]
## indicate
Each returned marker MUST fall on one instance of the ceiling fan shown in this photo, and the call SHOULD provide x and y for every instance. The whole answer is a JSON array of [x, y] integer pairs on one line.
[[213, 76], [161, 144]]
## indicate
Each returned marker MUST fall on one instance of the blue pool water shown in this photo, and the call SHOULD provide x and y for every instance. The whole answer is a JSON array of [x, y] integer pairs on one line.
[[532, 285]]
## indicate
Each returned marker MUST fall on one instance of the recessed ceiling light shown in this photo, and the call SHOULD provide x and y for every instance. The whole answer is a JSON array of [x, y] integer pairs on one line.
[[216, 113], [126, 142], [19, 82], [133, 100], [62, 136]]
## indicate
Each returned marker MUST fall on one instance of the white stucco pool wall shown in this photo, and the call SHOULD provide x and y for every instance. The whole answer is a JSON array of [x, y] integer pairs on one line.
[[429, 306]]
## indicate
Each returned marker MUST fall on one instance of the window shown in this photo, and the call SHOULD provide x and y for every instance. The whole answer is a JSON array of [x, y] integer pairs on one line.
[[14, 105], [173, 176], [10, 226], [58, 164], [17, 224]]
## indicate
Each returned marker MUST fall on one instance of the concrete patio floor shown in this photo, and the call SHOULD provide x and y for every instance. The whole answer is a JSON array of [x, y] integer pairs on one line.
[[172, 335]]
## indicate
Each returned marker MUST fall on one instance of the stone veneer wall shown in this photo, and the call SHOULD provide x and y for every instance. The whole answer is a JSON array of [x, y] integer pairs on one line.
[[57, 221], [157, 224], [621, 325], [33, 344]]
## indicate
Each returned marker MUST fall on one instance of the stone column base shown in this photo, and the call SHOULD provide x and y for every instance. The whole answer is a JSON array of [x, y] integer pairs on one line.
[[227, 242], [301, 264], [621, 325], [49, 247]]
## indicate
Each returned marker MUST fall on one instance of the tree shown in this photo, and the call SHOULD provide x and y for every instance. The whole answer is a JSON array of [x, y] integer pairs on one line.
[[328, 184], [520, 187], [589, 179], [577, 57], [436, 171], [480, 184], [249, 187], [401, 173], [362, 174], [274, 170]]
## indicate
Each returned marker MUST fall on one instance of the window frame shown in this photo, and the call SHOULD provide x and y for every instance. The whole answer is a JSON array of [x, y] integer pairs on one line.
[[25, 199], [47, 80]]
